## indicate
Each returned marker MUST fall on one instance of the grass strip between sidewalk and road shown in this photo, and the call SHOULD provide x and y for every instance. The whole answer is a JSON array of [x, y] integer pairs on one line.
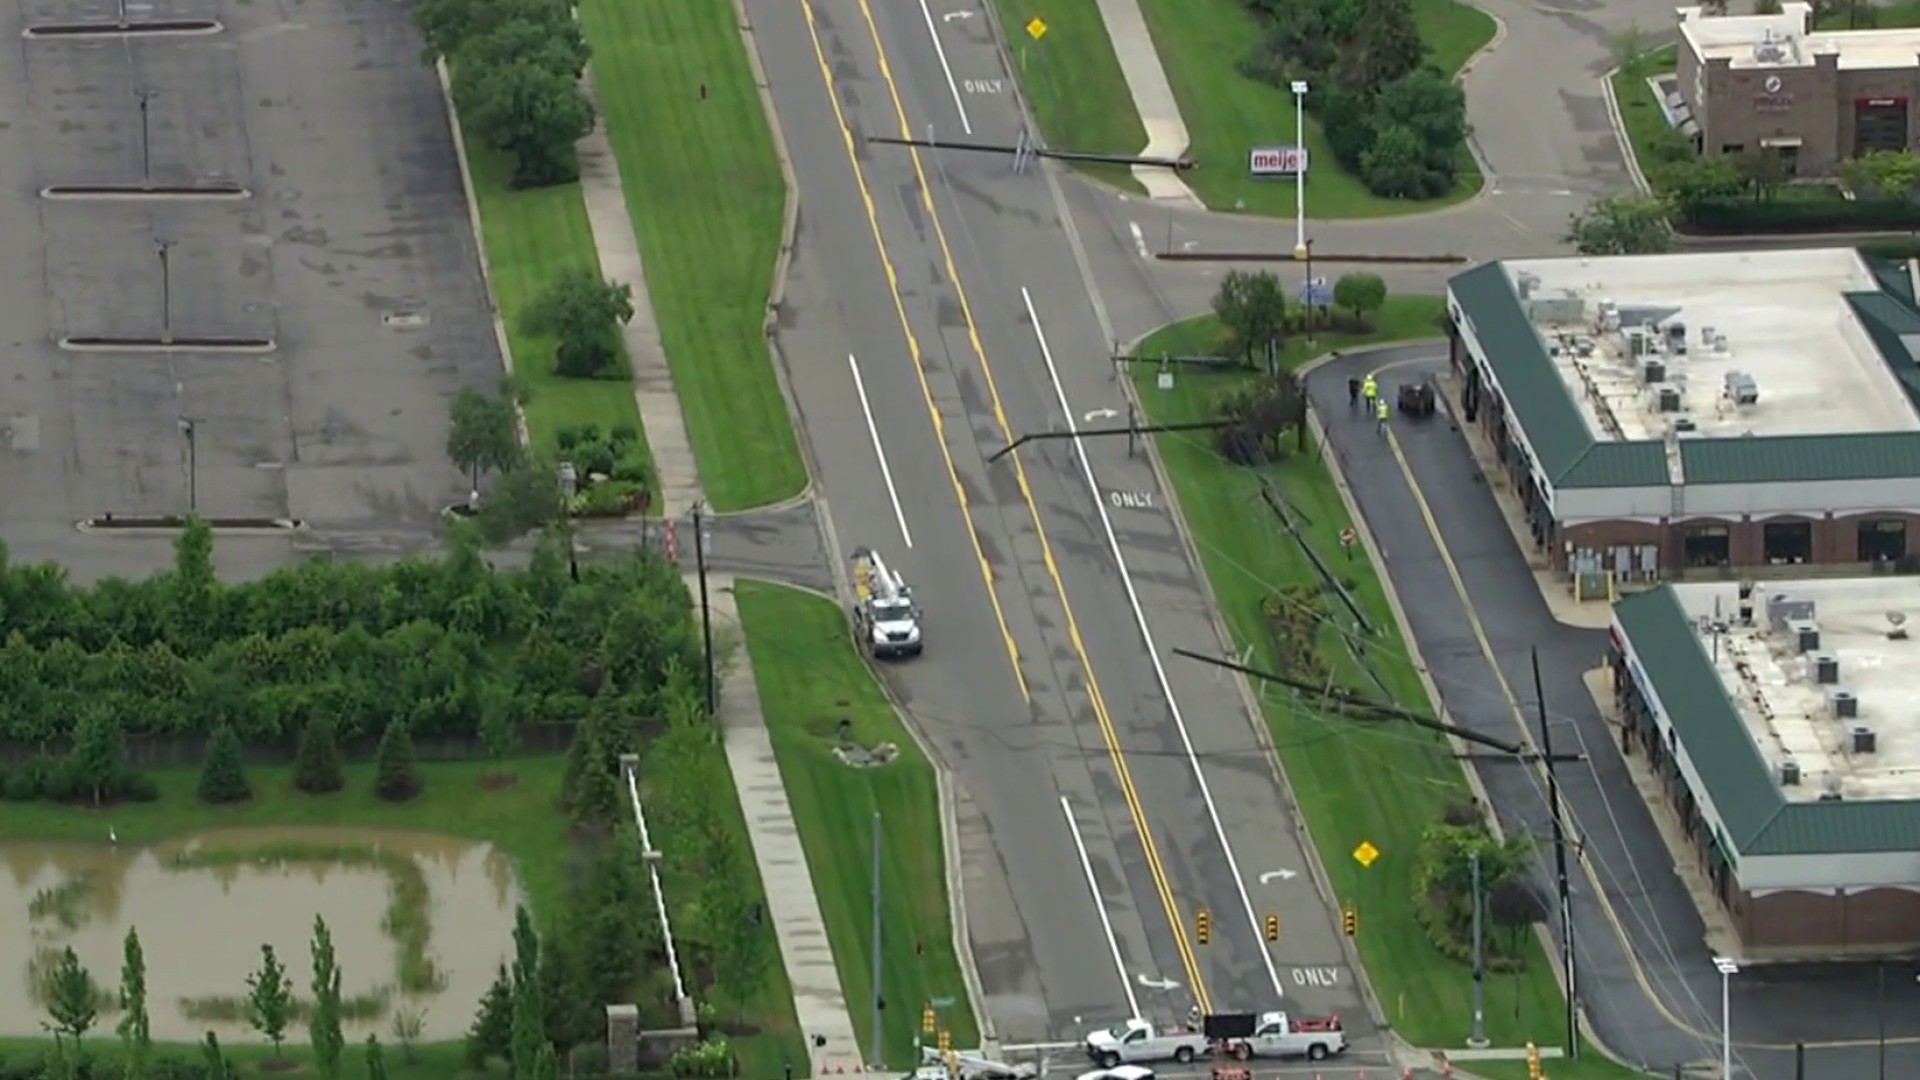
[[1640, 113], [1354, 783], [704, 189], [520, 820], [532, 235], [811, 679], [1074, 84]]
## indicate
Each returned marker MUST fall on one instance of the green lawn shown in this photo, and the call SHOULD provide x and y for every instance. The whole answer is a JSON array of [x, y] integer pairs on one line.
[[1075, 85], [1354, 783], [531, 236], [704, 189], [521, 820], [811, 678], [1640, 113], [1200, 43], [435, 1061]]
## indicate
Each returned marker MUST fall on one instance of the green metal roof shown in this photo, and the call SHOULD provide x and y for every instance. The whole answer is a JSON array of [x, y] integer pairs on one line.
[[1562, 441], [1571, 457], [1758, 819]]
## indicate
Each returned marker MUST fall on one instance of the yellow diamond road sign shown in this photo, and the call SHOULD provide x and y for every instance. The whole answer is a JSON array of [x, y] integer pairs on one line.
[[1365, 854], [1037, 29]]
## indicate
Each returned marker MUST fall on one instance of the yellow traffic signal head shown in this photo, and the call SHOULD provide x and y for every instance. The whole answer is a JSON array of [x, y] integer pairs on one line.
[[1273, 928], [946, 1041], [1203, 927], [926, 1020], [1533, 1063], [1350, 922]]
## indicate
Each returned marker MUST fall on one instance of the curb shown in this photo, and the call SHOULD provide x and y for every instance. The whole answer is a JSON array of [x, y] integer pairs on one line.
[[1619, 123], [478, 229]]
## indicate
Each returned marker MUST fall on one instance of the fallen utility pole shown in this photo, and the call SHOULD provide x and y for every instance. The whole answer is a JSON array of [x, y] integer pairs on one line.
[[1131, 431], [1348, 698], [1181, 164], [1560, 868], [1531, 757], [1327, 576]]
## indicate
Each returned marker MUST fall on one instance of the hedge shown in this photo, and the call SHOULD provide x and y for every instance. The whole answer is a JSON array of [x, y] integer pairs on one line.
[[1734, 217]]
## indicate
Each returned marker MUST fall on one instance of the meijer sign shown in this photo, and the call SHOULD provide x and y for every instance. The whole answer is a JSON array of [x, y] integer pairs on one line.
[[1277, 161]]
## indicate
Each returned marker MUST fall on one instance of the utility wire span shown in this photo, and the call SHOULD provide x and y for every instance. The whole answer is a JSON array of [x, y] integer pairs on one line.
[[1088, 433]]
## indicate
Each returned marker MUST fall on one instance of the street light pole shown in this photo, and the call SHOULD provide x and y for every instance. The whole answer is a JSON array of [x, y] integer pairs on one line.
[[146, 96], [1728, 969], [189, 427], [1300, 176], [166, 291]]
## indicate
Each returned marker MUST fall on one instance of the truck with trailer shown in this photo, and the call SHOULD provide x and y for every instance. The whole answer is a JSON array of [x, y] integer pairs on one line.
[[884, 615], [1266, 1035]]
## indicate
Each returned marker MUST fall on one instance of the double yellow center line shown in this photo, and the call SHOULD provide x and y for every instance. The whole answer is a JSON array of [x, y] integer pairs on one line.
[[1162, 885]]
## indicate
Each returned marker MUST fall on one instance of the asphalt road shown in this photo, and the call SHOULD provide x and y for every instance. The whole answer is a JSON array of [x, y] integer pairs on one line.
[[1646, 977], [349, 223], [1038, 768]]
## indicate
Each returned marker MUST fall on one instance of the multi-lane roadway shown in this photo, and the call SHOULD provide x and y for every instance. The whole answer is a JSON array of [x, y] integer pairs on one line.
[[937, 309]]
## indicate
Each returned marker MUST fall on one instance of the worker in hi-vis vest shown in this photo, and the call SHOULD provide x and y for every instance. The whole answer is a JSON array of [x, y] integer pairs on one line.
[[1380, 410], [1370, 390]]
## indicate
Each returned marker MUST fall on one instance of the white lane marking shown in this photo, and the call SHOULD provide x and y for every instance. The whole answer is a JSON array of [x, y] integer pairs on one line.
[[1140, 241], [1153, 650], [1093, 886], [886, 472], [941, 51]]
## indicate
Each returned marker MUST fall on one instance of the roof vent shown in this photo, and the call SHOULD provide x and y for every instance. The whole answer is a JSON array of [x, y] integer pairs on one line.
[[1896, 626], [1826, 669], [1844, 703], [1863, 739], [1789, 773], [1683, 424], [1830, 789]]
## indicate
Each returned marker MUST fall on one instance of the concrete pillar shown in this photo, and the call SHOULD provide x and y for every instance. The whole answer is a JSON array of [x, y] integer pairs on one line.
[[623, 1038], [689, 1017]]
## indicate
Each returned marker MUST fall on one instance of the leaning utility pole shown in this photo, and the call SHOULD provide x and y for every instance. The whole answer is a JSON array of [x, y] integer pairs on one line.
[[706, 612], [1560, 866], [1478, 1039]]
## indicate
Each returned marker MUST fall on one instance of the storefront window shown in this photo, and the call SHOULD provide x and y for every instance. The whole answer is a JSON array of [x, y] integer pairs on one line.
[[1882, 540], [1786, 542], [1707, 545]]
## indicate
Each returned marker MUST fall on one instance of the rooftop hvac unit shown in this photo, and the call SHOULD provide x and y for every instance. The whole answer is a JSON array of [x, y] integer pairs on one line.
[[1746, 603], [1789, 773], [1677, 338], [1864, 739], [1720, 343], [1826, 669], [1896, 626], [1526, 283], [1668, 398], [1653, 370], [1638, 344], [1783, 609], [1844, 703], [1742, 389], [1805, 634]]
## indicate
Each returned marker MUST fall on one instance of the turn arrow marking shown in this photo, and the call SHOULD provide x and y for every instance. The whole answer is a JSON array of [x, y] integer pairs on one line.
[[1099, 414], [1157, 984], [1284, 875], [952, 15]]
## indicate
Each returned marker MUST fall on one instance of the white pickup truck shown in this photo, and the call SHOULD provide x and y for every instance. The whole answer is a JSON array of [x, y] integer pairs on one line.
[[1140, 1041], [1280, 1035]]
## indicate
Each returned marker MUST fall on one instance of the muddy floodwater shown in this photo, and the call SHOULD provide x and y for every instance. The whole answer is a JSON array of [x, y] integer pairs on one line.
[[420, 922]]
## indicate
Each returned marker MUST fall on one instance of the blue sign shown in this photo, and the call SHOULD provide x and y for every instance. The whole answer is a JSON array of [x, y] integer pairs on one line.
[[1316, 293]]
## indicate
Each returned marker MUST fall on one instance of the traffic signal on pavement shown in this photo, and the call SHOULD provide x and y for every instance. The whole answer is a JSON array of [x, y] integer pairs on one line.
[[946, 1042], [926, 1020], [1273, 928], [1350, 922], [1533, 1063], [1203, 926]]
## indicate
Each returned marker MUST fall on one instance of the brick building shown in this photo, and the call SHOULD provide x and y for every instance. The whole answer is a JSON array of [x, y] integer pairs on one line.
[[1817, 98], [1780, 722], [1659, 414]]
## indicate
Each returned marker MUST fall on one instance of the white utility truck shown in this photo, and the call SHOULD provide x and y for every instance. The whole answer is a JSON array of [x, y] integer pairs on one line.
[[1138, 1042], [1281, 1035], [884, 614]]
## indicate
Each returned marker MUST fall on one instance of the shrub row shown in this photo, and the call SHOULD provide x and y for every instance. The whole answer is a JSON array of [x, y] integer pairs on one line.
[[1734, 217]]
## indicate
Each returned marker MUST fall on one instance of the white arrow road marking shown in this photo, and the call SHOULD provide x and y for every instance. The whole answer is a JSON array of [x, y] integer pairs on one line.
[[1157, 984], [1099, 414], [949, 17], [1284, 875]]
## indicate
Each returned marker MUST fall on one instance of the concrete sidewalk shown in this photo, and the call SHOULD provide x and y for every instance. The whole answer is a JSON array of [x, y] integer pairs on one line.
[[653, 392], [1152, 99], [818, 1000]]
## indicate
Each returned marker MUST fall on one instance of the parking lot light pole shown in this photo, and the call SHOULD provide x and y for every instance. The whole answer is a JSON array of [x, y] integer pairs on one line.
[[166, 291], [1300, 174], [189, 428], [146, 97], [1728, 969]]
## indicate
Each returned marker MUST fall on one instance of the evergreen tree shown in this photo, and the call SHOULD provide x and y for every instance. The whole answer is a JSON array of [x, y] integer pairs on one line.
[[216, 1064], [396, 771], [583, 752], [376, 1060], [491, 1035], [595, 799], [99, 755], [223, 779], [497, 730], [270, 999], [70, 1001], [547, 1065], [318, 768], [323, 1021], [529, 1007], [135, 1038]]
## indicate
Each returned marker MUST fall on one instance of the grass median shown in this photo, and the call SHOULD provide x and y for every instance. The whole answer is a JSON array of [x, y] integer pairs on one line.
[[531, 236], [1382, 785], [704, 189], [811, 680], [1074, 83], [1641, 116]]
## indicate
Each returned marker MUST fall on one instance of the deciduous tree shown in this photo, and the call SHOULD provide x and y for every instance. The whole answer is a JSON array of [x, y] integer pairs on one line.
[[406, 1026], [323, 1020], [318, 766], [447, 25], [483, 434], [1259, 411], [396, 769], [498, 733], [136, 1039], [1251, 308], [1360, 293], [583, 314], [524, 499], [529, 110], [98, 759], [223, 778], [1885, 174], [1623, 225], [270, 999], [1385, 46]]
